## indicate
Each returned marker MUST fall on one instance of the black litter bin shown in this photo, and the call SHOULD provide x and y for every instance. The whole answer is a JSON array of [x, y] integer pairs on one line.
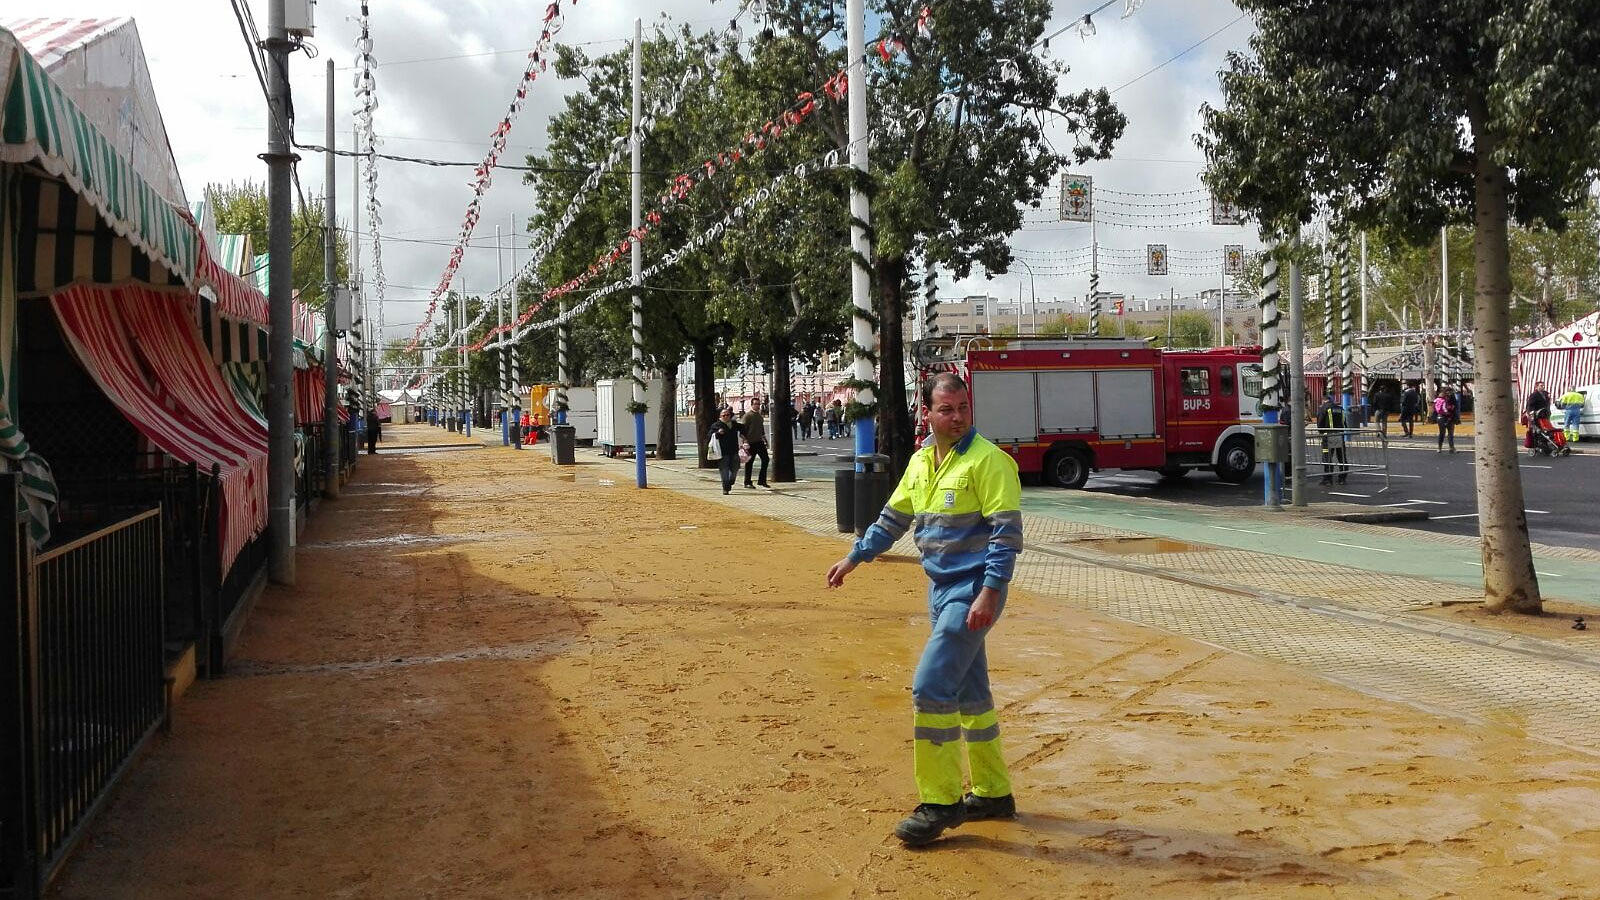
[[844, 494], [563, 441], [873, 484]]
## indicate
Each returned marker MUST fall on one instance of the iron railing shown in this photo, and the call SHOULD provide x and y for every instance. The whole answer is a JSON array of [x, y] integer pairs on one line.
[[82, 677], [1337, 454]]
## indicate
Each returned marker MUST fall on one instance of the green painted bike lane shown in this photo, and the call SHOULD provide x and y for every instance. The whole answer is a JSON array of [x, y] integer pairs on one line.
[[1569, 580]]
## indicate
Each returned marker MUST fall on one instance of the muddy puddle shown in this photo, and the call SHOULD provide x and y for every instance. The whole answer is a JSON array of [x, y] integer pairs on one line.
[[1140, 546]]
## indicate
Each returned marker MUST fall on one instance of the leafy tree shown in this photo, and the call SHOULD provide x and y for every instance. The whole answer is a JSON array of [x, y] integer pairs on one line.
[[679, 317], [1190, 329], [242, 209], [1410, 114], [961, 116]]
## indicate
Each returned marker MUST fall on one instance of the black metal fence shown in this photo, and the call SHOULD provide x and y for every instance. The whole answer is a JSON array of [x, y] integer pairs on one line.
[[82, 682], [190, 502]]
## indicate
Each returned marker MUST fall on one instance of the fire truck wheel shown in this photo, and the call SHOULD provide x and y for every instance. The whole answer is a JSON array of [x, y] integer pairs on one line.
[[1172, 473], [1236, 461], [1067, 468]]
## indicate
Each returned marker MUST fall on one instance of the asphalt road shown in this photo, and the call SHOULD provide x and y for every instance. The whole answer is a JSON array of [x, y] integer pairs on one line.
[[1560, 494]]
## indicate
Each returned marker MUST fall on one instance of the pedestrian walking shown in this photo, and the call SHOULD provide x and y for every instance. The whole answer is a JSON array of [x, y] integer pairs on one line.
[[1572, 404], [1382, 404], [755, 437], [1332, 423], [1446, 414], [374, 428], [794, 418], [834, 414], [965, 498], [806, 412], [1410, 408], [724, 432]]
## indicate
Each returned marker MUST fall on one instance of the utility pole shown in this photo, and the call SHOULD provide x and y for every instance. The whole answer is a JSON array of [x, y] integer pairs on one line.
[[516, 364], [863, 332], [505, 361], [330, 316], [1444, 277], [280, 343], [638, 262], [358, 350], [1297, 377]]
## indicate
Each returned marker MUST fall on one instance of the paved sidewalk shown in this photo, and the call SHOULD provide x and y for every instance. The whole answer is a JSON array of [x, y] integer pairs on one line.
[[1352, 626]]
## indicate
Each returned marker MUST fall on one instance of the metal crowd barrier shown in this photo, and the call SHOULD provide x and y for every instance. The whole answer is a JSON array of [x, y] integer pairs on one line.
[[1340, 453]]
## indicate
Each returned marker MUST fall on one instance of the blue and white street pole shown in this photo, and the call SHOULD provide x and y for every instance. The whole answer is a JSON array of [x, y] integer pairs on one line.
[[1271, 367], [863, 333], [638, 267]]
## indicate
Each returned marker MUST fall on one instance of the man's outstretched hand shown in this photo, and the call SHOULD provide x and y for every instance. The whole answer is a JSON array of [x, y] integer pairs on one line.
[[839, 570]]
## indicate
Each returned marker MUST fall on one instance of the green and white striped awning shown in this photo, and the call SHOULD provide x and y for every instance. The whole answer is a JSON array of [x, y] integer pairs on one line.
[[41, 126]]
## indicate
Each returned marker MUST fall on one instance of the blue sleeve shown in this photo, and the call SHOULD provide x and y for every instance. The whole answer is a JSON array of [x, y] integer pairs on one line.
[[1001, 496], [890, 527]]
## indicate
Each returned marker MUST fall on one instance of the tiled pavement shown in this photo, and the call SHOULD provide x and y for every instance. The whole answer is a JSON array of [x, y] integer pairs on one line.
[[1357, 628]]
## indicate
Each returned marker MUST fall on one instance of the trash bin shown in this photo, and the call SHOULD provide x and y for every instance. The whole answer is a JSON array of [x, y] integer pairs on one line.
[[844, 493], [563, 443], [873, 485]]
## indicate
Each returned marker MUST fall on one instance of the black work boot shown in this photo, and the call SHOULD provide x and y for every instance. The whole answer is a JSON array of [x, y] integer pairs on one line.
[[979, 808], [928, 821]]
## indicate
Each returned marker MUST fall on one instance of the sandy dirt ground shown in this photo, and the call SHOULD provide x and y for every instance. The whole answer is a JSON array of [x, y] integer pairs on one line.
[[494, 679]]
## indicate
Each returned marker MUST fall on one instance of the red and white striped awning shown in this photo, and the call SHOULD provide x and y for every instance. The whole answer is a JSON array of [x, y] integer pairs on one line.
[[142, 349]]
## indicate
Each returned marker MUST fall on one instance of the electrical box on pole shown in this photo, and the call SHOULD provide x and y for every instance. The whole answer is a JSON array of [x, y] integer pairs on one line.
[[344, 308], [299, 16]]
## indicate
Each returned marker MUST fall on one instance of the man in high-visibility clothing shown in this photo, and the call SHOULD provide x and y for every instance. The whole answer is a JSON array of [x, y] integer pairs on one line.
[[1571, 404], [963, 494]]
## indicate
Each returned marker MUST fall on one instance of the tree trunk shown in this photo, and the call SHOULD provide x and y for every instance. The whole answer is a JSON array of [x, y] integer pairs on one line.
[[1509, 581], [667, 431], [895, 437], [705, 396], [782, 413]]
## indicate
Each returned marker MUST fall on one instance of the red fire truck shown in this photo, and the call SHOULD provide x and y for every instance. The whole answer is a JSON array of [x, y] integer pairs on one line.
[[1063, 407]]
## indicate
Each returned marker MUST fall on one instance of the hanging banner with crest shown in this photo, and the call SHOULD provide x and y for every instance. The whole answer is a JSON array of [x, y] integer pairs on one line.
[[1156, 258], [1077, 198]]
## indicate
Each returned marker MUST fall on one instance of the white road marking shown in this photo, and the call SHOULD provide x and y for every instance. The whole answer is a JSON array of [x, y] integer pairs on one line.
[[1538, 512], [1457, 516], [1536, 571], [1377, 475], [1356, 547], [1412, 502], [1528, 466], [1226, 528], [1343, 494]]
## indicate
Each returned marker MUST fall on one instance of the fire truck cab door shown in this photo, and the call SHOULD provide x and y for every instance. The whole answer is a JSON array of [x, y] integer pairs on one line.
[[1199, 406]]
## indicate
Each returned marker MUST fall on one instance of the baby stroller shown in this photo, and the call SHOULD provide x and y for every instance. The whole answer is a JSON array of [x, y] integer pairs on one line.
[[1545, 439]]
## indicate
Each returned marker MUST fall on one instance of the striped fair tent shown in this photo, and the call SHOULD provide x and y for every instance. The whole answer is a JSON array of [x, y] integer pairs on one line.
[[1563, 359], [76, 214], [140, 346]]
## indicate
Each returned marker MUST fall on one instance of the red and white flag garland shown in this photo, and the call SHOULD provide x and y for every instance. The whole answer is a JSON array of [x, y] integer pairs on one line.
[[483, 175], [754, 142]]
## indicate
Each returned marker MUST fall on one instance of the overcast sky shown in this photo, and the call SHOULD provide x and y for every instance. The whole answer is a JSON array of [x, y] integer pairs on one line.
[[444, 108]]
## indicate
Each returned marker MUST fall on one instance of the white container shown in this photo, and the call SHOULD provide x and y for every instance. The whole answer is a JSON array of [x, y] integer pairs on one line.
[[581, 414], [614, 424]]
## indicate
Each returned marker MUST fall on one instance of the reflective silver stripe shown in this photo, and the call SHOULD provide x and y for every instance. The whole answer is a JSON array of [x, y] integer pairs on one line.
[[1006, 518], [949, 520], [970, 543], [933, 706], [900, 519], [939, 735], [981, 734], [973, 712]]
